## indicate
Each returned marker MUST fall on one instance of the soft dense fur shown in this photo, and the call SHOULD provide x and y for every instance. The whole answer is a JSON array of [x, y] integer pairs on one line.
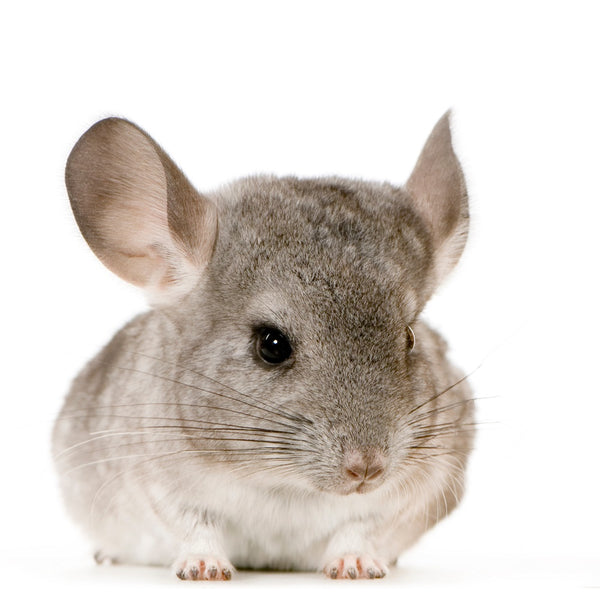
[[177, 445]]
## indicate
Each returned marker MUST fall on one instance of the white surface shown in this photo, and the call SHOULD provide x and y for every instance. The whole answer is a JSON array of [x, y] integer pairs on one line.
[[316, 88], [555, 578]]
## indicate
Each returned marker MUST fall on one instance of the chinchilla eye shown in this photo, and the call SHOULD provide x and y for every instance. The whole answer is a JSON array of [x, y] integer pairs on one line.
[[410, 342], [272, 346]]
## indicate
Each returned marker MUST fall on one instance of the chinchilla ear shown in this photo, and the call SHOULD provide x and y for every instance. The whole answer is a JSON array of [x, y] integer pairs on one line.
[[138, 212], [439, 195]]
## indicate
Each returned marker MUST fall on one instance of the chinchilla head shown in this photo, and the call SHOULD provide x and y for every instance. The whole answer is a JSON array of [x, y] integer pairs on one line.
[[296, 300]]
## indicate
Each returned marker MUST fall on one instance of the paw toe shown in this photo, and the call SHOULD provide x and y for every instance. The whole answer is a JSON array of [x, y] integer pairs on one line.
[[353, 566], [203, 568]]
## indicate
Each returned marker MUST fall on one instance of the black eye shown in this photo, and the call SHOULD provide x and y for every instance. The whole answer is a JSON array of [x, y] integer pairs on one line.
[[410, 338], [272, 346]]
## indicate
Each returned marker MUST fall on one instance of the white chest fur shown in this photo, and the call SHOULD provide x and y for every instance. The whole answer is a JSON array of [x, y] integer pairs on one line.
[[280, 527]]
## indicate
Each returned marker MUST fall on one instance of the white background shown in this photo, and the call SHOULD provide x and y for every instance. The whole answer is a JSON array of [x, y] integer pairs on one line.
[[311, 88]]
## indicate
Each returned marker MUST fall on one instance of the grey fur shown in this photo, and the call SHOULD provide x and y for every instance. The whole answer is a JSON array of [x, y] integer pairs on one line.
[[178, 402]]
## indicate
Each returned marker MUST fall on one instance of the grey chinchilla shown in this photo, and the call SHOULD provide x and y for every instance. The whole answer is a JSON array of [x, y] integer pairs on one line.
[[281, 405]]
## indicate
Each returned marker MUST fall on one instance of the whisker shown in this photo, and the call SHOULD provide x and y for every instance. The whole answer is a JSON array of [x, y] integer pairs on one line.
[[440, 409], [100, 436], [166, 458], [266, 446], [435, 430], [138, 416], [241, 451], [446, 390], [293, 414], [243, 469], [274, 412]]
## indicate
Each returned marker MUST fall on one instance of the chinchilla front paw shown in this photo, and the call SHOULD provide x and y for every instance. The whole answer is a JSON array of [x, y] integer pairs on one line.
[[203, 568]]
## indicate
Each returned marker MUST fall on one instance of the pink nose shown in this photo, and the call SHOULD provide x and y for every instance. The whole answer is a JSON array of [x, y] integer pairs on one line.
[[361, 466]]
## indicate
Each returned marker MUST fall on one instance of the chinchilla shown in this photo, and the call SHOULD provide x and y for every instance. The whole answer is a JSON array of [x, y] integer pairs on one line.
[[281, 405]]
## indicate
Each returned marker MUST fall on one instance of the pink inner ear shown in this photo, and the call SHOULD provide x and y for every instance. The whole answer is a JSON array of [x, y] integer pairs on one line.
[[122, 186], [438, 190]]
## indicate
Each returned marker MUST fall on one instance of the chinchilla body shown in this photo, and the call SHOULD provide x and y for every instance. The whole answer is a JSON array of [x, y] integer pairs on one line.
[[282, 405]]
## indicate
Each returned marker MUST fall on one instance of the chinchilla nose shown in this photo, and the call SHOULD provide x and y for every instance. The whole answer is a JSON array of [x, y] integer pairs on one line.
[[359, 466]]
